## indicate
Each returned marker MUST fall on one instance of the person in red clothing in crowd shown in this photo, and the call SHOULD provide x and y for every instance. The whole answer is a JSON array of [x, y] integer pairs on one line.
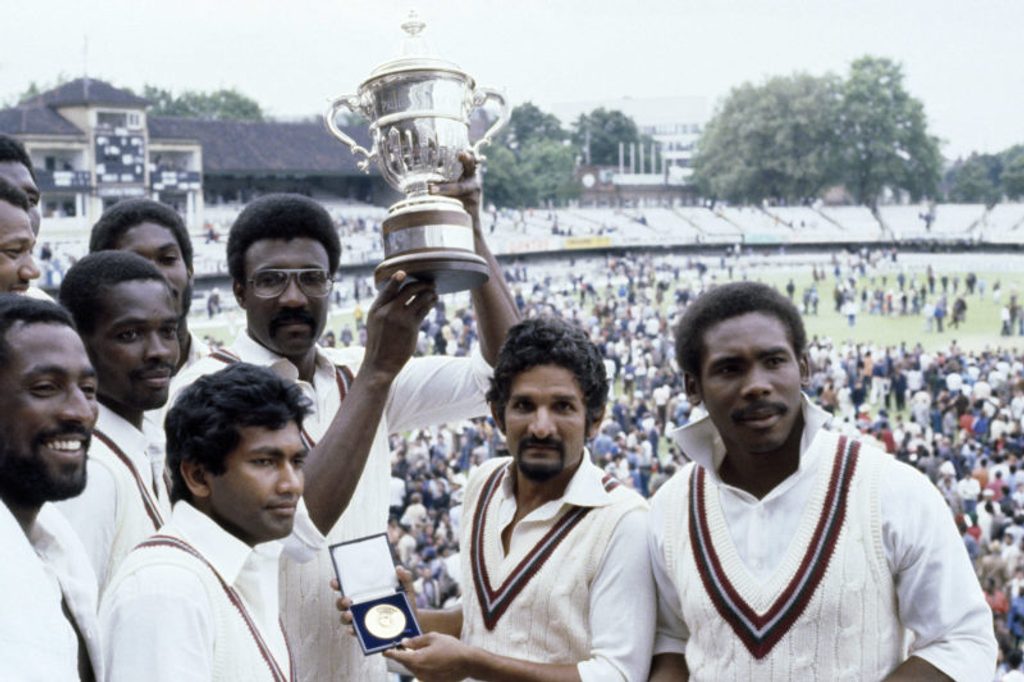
[[996, 598]]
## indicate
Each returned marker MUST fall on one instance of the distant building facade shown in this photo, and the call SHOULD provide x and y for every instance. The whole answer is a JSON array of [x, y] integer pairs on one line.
[[658, 173], [93, 144]]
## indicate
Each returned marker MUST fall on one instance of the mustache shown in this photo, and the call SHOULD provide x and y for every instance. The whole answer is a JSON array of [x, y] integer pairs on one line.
[[291, 316], [151, 369], [761, 407], [531, 442]]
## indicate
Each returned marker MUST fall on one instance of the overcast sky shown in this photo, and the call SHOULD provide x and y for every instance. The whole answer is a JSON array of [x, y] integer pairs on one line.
[[963, 58]]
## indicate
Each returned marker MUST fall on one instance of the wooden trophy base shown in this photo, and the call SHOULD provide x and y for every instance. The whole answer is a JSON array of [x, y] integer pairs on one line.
[[431, 239], [449, 270]]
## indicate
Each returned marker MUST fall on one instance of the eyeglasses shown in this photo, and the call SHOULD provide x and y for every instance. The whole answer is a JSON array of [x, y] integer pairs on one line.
[[313, 282]]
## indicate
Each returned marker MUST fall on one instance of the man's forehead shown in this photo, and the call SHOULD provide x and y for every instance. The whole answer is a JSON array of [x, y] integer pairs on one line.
[[34, 345], [14, 222], [762, 329], [283, 252]]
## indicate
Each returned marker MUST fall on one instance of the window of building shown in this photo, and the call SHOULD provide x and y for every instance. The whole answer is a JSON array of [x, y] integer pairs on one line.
[[112, 119]]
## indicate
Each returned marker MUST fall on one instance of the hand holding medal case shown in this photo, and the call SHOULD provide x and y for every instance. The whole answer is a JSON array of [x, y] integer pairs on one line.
[[381, 613]]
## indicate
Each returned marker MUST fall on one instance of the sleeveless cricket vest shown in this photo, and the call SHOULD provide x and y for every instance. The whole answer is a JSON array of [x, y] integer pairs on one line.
[[534, 604], [829, 610], [240, 653]]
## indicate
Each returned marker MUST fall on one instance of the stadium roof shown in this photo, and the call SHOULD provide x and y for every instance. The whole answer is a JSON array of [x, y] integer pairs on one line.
[[36, 120], [262, 146], [87, 91], [229, 147]]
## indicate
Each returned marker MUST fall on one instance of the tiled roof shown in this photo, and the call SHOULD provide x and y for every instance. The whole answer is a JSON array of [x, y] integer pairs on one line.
[[250, 146], [36, 120], [87, 91]]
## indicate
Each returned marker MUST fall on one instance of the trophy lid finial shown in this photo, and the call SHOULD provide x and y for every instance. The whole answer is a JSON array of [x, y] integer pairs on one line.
[[416, 53], [413, 25]]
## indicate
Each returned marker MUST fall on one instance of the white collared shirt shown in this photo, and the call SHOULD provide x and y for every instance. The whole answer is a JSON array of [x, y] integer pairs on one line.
[[428, 391], [97, 512], [938, 595], [37, 641], [623, 582], [158, 622]]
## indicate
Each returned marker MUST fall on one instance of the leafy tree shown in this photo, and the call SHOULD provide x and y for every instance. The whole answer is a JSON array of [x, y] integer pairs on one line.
[[506, 182], [550, 165], [773, 141], [543, 172], [1013, 177], [531, 161], [601, 131], [976, 180], [884, 135], [528, 123], [223, 104]]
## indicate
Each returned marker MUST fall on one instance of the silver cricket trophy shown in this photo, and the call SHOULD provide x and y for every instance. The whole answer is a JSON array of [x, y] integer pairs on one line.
[[419, 108]]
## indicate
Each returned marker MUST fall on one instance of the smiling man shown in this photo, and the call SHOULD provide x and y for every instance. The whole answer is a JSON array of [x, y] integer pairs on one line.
[[128, 319], [17, 267], [557, 581], [199, 600], [156, 232], [283, 251], [786, 551], [48, 627]]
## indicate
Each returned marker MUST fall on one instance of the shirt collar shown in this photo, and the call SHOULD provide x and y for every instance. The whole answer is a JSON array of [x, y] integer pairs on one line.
[[251, 351], [131, 440], [226, 553], [197, 349], [585, 488], [702, 443]]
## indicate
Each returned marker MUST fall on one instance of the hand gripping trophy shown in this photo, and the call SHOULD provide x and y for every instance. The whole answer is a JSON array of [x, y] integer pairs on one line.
[[419, 108]]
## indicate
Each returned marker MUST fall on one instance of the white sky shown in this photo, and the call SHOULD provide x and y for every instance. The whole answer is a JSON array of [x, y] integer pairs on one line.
[[963, 58]]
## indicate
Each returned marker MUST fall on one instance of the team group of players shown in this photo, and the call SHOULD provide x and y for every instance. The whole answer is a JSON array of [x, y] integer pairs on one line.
[[168, 509]]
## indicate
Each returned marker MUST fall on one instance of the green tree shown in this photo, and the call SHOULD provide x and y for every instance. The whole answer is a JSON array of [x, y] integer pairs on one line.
[[976, 180], [597, 135], [773, 141], [223, 104], [884, 135], [528, 123], [506, 183], [531, 162], [1013, 177], [550, 167]]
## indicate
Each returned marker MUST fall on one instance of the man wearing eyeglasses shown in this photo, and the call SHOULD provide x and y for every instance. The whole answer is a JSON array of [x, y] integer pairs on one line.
[[282, 253]]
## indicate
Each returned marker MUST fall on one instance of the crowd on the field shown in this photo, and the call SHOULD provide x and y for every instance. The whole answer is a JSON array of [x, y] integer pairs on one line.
[[956, 415]]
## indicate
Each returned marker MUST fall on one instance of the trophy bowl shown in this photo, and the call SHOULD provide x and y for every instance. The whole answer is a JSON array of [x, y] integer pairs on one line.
[[419, 109]]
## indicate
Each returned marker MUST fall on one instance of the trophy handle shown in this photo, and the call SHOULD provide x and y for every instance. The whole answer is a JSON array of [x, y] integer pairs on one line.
[[350, 102], [479, 97]]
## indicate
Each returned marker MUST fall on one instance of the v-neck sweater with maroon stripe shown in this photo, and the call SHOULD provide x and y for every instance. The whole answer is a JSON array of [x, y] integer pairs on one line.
[[827, 612], [533, 604]]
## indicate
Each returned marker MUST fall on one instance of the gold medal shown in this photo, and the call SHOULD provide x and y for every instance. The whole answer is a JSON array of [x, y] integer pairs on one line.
[[384, 621]]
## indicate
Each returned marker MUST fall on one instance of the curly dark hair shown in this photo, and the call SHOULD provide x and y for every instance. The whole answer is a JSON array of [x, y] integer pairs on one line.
[[13, 151], [203, 424], [85, 285], [550, 341], [726, 302], [280, 216], [13, 195], [124, 215], [16, 308]]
